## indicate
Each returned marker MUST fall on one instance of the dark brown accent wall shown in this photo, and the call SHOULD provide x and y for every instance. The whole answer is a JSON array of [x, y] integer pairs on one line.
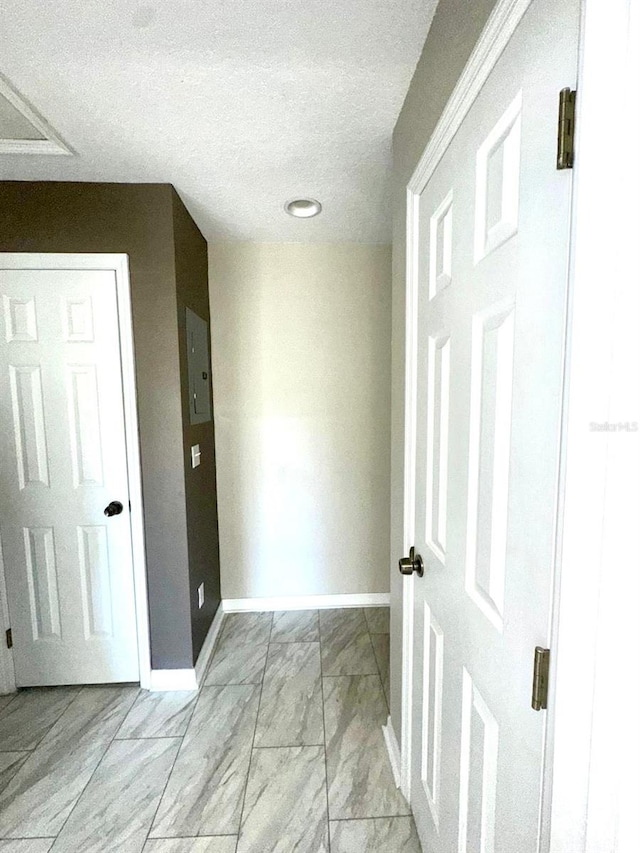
[[150, 224], [192, 291]]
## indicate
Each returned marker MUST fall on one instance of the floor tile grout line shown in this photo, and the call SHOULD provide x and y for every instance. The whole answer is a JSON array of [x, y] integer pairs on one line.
[[269, 641], [354, 675], [216, 644], [29, 838], [212, 655], [288, 746], [377, 675], [13, 696], [164, 789], [354, 634], [151, 737], [377, 817], [253, 740], [215, 649], [181, 737], [285, 641], [127, 714], [55, 722], [286, 644], [95, 770], [375, 657], [191, 837], [324, 731]]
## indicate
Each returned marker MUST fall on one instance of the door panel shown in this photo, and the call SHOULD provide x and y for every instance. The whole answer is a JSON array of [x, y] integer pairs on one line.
[[63, 459], [493, 245]]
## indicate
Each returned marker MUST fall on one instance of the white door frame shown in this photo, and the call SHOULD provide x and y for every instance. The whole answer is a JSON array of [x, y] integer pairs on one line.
[[579, 813], [119, 264], [592, 771]]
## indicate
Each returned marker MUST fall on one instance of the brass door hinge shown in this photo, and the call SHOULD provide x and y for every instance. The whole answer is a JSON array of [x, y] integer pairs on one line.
[[540, 691], [9, 639], [566, 128]]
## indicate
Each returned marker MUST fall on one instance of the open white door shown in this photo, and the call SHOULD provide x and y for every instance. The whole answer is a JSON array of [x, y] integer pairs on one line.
[[63, 460], [489, 222]]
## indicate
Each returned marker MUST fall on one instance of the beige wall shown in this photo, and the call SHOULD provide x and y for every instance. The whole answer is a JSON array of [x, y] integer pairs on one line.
[[301, 360], [454, 32]]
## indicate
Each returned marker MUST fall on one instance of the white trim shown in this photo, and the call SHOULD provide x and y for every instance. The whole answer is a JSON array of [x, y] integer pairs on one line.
[[393, 750], [208, 646], [305, 602], [495, 36], [592, 774], [408, 598], [119, 263], [168, 680], [40, 147], [52, 142], [498, 30], [410, 439], [134, 467]]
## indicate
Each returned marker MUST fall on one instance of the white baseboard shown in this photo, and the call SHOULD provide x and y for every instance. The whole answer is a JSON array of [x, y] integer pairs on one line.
[[305, 602], [173, 679], [393, 749], [189, 679]]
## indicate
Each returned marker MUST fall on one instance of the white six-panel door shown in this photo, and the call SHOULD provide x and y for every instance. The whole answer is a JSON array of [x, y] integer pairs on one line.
[[68, 567], [492, 264]]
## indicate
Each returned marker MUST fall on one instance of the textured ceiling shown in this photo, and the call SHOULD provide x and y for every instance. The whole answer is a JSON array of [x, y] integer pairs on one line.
[[241, 104]]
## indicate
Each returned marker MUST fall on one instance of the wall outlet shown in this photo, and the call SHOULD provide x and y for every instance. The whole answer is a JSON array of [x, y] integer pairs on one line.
[[195, 455], [201, 595]]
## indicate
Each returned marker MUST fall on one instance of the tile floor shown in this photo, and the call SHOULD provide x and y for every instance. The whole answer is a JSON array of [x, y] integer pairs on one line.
[[281, 751]]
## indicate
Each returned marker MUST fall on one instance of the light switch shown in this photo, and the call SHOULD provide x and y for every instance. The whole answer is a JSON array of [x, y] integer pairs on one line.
[[195, 455]]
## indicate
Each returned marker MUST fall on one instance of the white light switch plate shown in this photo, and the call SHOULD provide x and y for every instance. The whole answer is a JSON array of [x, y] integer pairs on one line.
[[195, 455], [201, 595]]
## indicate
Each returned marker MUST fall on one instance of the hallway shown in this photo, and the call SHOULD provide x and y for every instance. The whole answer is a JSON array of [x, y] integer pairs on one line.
[[280, 750]]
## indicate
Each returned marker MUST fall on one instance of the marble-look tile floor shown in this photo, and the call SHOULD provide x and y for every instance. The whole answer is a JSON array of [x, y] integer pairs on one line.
[[280, 751]]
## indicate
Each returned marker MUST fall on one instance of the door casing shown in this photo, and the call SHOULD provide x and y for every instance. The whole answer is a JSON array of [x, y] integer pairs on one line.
[[592, 779], [119, 265]]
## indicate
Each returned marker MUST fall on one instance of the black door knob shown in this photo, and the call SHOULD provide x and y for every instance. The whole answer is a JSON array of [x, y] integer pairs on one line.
[[114, 508]]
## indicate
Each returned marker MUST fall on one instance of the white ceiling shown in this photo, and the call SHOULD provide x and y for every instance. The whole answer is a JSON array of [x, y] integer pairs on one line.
[[241, 104]]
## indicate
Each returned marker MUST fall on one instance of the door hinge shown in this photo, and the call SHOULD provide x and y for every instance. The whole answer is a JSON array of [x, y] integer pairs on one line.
[[566, 128], [9, 639], [540, 691]]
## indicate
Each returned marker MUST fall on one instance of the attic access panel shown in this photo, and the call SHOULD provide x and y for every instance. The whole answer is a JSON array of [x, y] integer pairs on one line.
[[198, 368], [22, 129]]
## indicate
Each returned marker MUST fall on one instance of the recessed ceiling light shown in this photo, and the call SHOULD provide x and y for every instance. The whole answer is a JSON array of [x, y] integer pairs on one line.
[[303, 208]]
